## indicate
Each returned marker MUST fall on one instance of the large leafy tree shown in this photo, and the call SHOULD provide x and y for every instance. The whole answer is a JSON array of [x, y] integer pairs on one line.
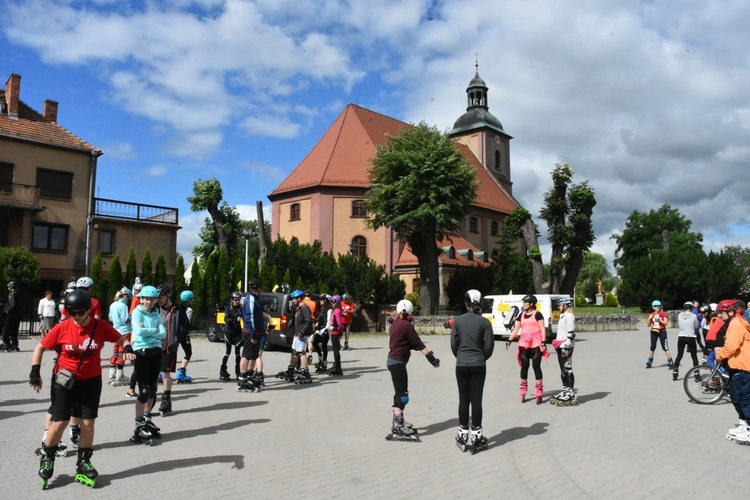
[[207, 195], [421, 187], [514, 270], [658, 257], [725, 275], [594, 270], [21, 266]]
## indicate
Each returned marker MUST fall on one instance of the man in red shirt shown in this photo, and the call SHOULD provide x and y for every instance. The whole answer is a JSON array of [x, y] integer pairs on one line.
[[80, 341]]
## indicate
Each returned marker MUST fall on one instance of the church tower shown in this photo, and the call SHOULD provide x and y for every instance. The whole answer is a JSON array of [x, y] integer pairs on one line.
[[483, 133]]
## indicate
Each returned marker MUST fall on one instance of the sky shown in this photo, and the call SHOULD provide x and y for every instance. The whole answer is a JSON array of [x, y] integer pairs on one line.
[[647, 101]]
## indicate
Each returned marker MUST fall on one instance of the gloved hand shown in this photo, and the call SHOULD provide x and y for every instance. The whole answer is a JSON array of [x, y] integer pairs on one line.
[[34, 377], [432, 359]]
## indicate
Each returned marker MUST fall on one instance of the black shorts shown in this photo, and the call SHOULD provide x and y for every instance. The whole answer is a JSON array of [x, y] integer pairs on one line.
[[85, 394], [168, 361], [250, 350]]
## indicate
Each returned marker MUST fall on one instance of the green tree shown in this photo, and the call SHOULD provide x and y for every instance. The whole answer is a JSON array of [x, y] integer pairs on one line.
[[99, 290], [593, 270], [21, 266], [210, 283], [147, 269], [725, 276], [658, 257], [222, 275], [467, 278], [179, 275], [237, 274], [567, 211], [207, 195], [160, 271], [131, 268], [114, 277], [512, 272], [200, 310], [741, 258], [519, 225], [421, 187]]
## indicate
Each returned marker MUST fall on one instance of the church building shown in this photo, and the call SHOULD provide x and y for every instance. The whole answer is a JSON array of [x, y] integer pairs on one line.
[[324, 197]]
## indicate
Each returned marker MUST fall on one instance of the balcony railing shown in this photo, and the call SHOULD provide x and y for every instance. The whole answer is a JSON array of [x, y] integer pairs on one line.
[[20, 196], [135, 211]]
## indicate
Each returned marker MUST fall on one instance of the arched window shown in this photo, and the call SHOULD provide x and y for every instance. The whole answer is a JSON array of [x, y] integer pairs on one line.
[[294, 214], [358, 209], [358, 246]]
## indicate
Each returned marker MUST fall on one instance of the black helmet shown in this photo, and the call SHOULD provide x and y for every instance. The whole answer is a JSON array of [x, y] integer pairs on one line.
[[254, 284], [236, 295], [164, 289], [78, 300], [531, 299]]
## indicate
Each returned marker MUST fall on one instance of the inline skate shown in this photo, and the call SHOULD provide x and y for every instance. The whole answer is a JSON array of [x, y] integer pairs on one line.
[[150, 426], [260, 378], [75, 435], [320, 366], [400, 432], [85, 472], [46, 464], [335, 371], [670, 363], [141, 435], [120, 378], [61, 451], [649, 362], [165, 408], [523, 390], [738, 429], [112, 374], [302, 376], [287, 374], [478, 440], [224, 374], [248, 383], [462, 438], [538, 391], [183, 378], [675, 374], [566, 398]]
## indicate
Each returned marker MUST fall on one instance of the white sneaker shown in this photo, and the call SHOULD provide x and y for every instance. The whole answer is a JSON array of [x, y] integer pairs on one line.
[[737, 429], [743, 436]]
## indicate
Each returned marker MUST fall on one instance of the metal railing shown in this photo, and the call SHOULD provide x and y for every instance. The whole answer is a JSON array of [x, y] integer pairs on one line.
[[135, 211]]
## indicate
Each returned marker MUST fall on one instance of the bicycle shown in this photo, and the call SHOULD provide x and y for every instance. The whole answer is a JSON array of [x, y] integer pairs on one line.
[[705, 385]]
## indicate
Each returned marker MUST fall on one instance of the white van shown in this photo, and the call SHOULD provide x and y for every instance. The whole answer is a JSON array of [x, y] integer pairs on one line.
[[503, 310]]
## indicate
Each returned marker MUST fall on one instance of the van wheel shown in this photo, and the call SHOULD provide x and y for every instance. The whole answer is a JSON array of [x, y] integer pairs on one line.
[[212, 332]]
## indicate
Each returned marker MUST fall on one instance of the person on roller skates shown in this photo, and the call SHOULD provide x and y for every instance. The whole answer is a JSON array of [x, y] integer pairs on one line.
[[119, 316], [657, 322], [735, 353], [177, 327], [472, 343], [186, 303], [318, 341], [688, 324], [530, 329], [336, 326], [564, 343], [403, 339], [232, 335], [303, 327], [147, 336], [253, 328], [348, 308], [77, 381]]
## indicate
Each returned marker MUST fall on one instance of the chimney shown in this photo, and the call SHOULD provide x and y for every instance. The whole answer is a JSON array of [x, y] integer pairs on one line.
[[50, 110], [12, 90]]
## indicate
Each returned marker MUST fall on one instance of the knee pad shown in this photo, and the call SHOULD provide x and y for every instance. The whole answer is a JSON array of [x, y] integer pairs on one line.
[[145, 394]]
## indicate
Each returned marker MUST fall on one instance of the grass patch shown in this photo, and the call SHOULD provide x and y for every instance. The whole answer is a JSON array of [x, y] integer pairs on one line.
[[605, 310]]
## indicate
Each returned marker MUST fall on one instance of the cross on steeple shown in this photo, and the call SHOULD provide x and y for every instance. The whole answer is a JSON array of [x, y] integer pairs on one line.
[[476, 61]]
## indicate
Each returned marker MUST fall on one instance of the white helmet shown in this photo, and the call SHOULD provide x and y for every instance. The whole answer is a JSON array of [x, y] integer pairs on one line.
[[84, 282], [404, 305], [473, 297]]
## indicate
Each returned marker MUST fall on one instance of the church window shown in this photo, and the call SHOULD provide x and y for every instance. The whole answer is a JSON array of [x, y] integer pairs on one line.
[[358, 209], [294, 213], [359, 246], [473, 225]]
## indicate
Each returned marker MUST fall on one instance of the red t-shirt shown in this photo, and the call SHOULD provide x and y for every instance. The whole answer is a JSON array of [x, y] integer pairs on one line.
[[347, 312], [653, 321], [72, 340]]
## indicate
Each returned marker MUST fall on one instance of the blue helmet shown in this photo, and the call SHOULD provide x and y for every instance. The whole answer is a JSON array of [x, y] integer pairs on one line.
[[297, 294], [186, 295], [656, 303], [149, 292]]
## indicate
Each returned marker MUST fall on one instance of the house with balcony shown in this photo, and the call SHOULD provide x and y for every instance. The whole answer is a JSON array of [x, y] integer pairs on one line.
[[47, 203]]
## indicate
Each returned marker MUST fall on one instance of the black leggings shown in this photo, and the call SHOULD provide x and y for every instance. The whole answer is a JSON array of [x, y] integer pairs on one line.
[[470, 381], [147, 366], [682, 343], [400, 380], [336, 341], [232, 339], [320, 345], [531, 355]]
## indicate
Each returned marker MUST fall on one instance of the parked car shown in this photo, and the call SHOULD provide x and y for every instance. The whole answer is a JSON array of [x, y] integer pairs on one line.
[[276, 305]]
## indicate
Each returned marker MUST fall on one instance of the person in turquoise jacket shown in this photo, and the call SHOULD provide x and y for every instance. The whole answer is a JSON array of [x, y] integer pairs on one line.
[[147, 336]]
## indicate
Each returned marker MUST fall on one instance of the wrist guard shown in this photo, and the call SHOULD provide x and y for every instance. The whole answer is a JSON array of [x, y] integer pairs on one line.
[[34, 377], [128, 349], [432, 359]]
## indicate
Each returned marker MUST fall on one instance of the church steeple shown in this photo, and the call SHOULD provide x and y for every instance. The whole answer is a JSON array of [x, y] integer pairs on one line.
[[482, 132]]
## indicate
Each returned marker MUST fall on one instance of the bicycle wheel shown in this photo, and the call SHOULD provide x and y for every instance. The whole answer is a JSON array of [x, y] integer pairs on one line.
[[701, 387]]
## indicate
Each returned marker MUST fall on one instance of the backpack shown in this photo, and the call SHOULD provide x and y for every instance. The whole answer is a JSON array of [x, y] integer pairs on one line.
[[511, 317]]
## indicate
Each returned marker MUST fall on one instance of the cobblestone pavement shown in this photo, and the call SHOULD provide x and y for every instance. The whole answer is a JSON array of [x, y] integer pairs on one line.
[[634, 435]]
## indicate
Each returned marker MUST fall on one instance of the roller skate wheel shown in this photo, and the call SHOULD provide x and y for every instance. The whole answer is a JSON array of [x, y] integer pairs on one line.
[[84, 479]]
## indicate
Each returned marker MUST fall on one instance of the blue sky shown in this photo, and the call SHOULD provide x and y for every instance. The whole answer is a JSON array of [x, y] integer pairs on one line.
[[646, 100]]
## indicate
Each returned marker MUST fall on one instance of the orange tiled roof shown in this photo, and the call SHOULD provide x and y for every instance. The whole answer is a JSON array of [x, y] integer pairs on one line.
[[342, 156], [408, 259], [34, 127]]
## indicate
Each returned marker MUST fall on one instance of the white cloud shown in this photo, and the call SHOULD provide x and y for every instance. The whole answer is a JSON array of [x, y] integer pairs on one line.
[[156, 171]]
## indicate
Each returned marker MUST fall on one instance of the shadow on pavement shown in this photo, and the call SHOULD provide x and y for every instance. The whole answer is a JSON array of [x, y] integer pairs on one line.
[[515, 433], [15, 402], [234, 405], [585, 398], [437, 427], [237, 461]]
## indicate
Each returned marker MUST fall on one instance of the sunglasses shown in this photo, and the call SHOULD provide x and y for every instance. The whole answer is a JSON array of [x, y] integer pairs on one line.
[[78, 313]]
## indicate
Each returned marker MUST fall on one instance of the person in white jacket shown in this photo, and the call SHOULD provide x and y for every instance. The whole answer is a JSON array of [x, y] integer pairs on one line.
[[564, 344], [46, 313]]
